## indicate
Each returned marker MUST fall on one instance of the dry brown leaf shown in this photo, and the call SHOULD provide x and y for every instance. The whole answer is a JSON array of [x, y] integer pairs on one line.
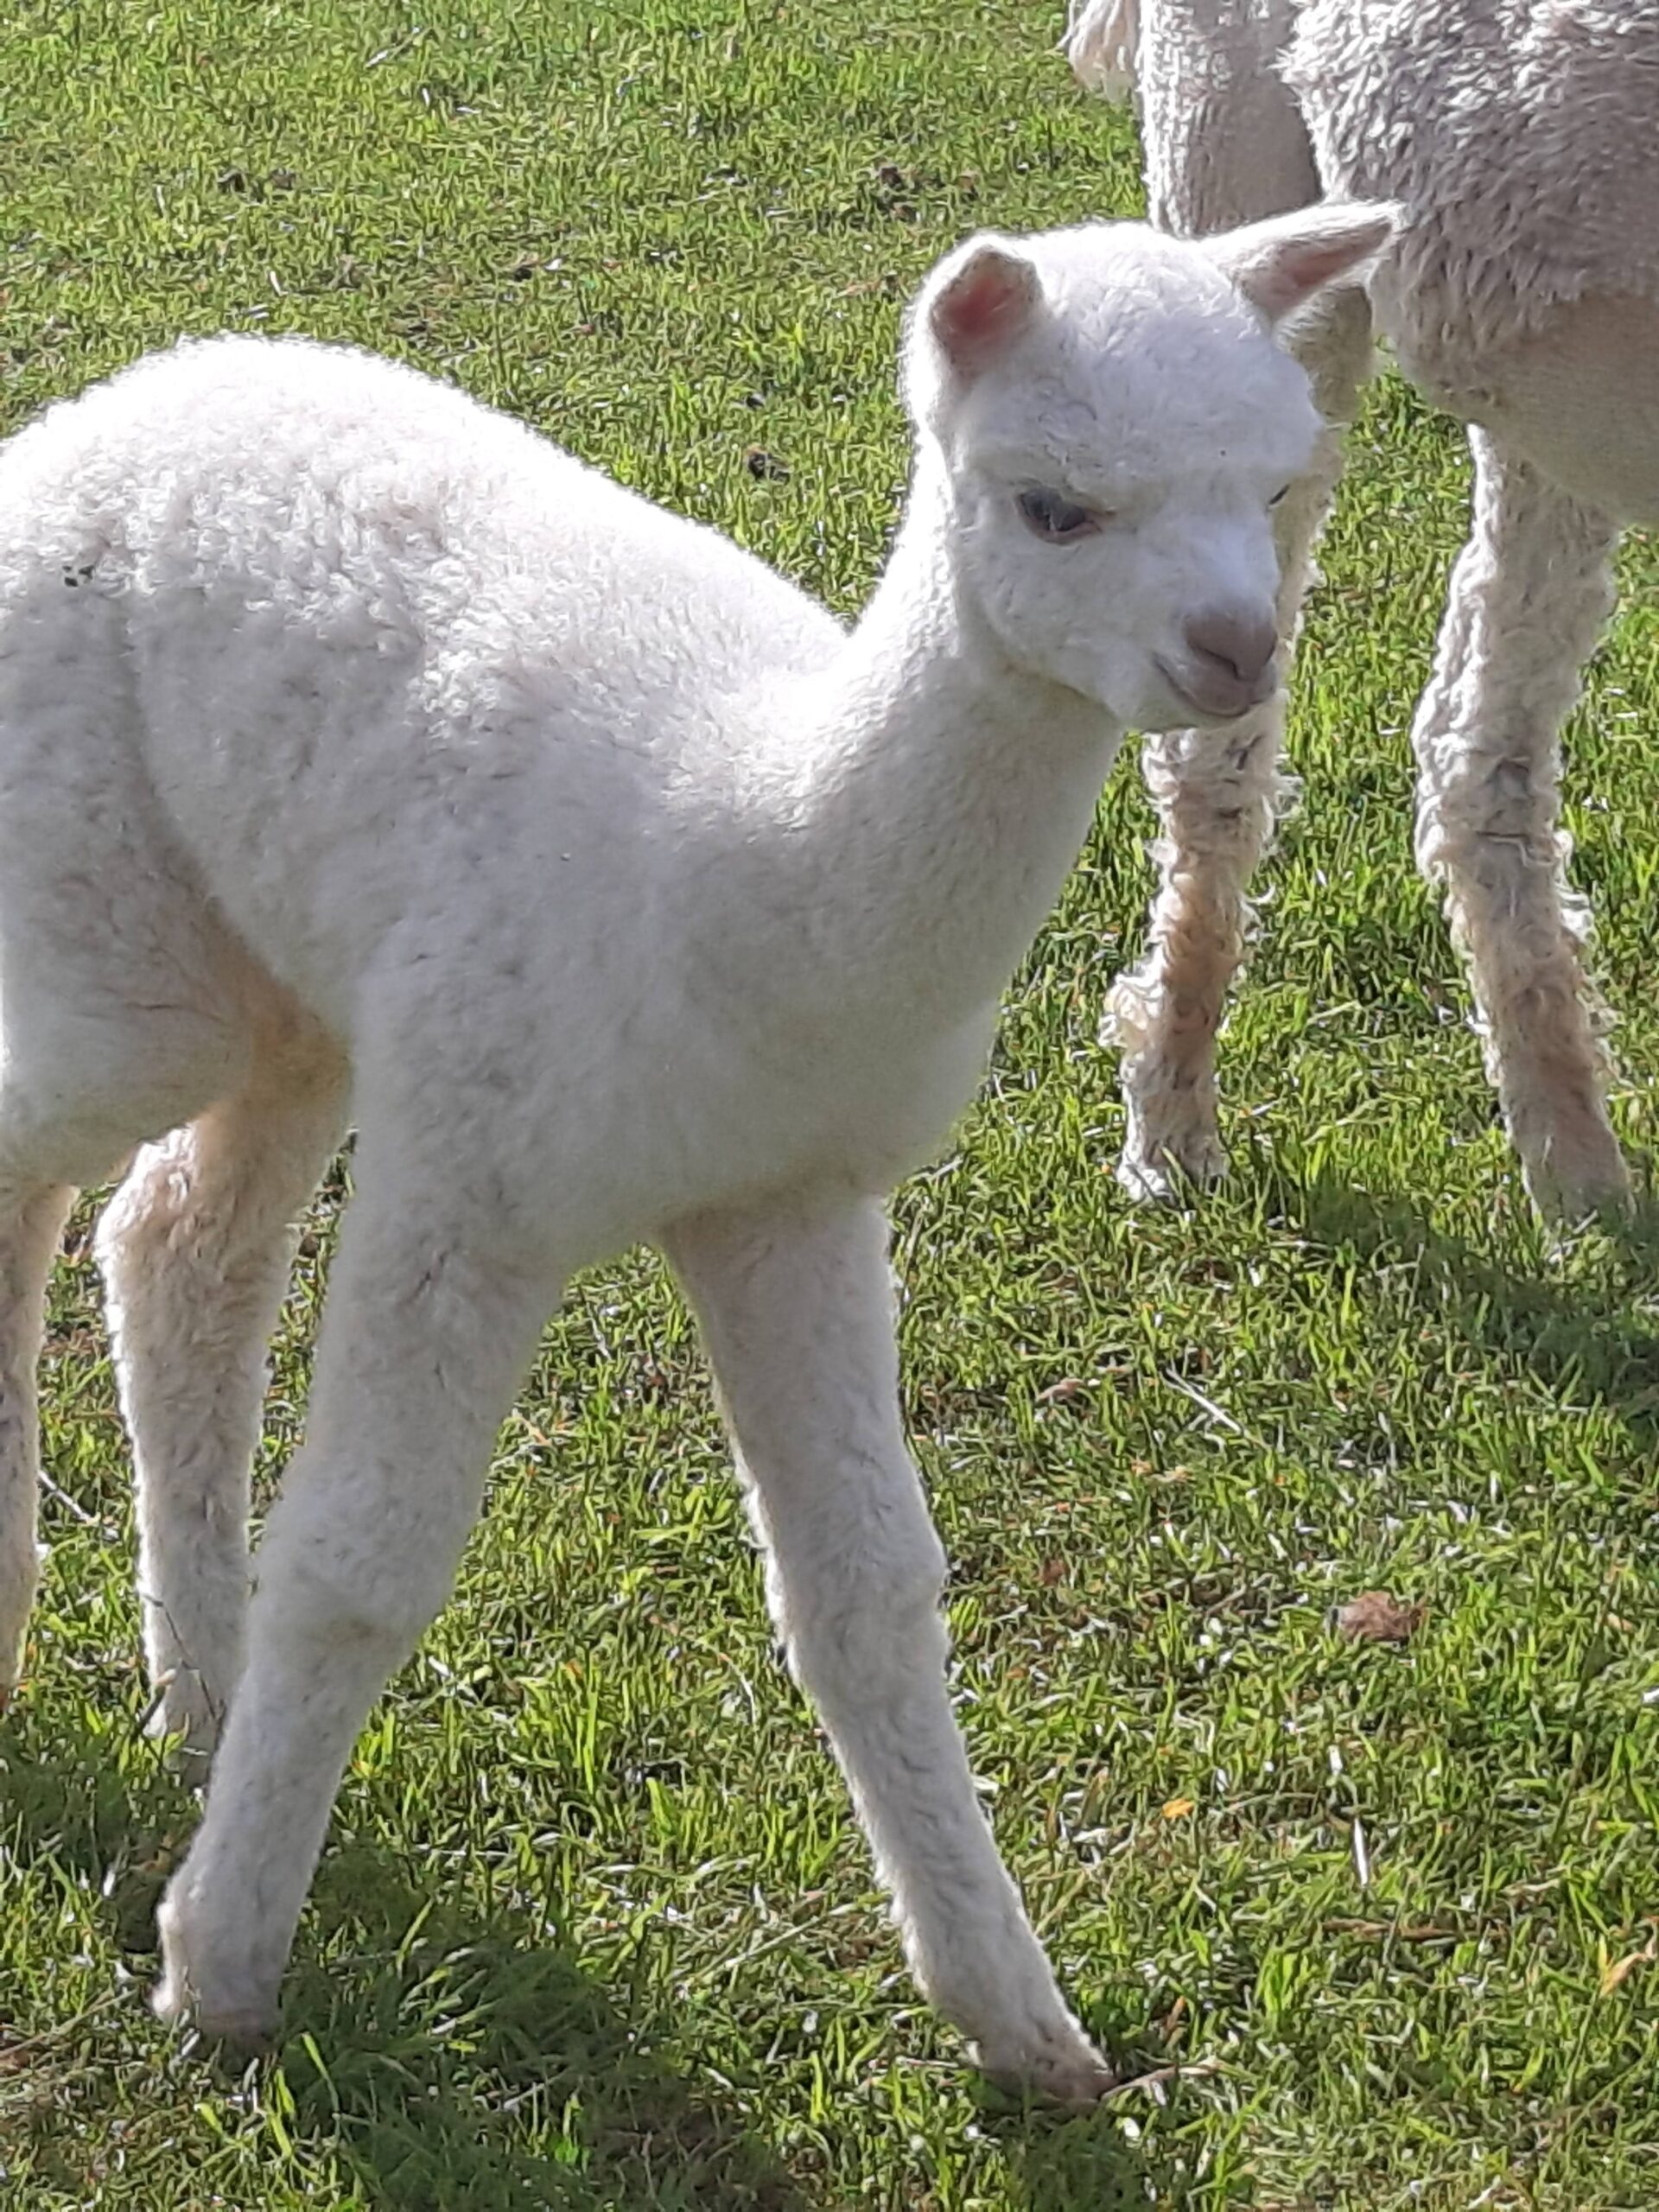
[[1177, 1809], [1067, 1387], [1375, 1616], [1618, 1971]]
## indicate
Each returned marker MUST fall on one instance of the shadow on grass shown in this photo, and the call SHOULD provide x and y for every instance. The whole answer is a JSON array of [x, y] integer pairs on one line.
[[1578, 1337], [440, 2063], [1078, 2162], [444, 2064], [462, 2065]]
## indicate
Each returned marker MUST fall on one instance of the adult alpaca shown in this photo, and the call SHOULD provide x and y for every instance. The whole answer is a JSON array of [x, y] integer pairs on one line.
[[1520, 138], [354, 742]]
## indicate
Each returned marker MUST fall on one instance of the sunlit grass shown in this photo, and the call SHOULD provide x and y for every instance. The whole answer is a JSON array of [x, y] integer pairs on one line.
[[595, 1928]]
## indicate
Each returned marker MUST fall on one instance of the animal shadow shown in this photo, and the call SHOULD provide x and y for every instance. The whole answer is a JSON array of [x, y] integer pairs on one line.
[[1590, 1335], [445, 2062], [441, 2061]]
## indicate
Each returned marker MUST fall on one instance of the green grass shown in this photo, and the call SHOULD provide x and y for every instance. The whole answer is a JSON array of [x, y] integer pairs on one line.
[[595, 1928]]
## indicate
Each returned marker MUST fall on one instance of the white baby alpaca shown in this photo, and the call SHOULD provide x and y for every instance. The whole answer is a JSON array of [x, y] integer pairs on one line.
[[361, 752], [1520, 139]]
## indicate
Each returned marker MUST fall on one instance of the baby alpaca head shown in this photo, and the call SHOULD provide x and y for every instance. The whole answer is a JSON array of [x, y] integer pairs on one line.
[[1116, 422]]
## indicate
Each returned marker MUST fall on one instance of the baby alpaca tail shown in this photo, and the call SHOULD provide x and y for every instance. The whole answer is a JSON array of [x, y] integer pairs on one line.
[[1101, 38]]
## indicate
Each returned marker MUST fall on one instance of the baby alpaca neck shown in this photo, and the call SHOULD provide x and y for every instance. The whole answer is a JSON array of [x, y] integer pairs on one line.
[[939, 794]]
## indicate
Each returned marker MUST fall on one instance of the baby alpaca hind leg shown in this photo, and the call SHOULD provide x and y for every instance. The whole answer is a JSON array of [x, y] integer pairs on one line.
[[1217, 793], [1529, 597], [31, 1221], [425, 1333], [195, 1249], [797, 1308]]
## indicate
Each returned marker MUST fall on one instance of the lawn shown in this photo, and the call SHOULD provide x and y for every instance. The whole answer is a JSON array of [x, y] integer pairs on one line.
[[595, 1928]]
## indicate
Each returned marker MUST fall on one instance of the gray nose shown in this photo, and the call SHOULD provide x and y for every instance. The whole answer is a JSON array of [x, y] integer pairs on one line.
[[1239, 647]]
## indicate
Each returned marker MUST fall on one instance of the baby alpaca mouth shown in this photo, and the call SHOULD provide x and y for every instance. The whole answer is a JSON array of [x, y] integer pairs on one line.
[[1216, 694]]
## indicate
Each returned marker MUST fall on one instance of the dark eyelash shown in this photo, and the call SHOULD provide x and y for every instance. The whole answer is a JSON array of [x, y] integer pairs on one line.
[[1054, 517]]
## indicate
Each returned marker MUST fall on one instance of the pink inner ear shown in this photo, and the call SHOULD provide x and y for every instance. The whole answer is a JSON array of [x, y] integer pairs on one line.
[[984, 306], [1279, 271], [1296, 272]]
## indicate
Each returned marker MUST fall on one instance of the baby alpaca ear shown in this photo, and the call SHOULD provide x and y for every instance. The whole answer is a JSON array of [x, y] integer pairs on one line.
[[1280, 265], [982, 304]]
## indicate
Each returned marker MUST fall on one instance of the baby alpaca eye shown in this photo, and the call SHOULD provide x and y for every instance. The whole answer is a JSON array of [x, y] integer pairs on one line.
[[1279, 495], [1050, 516]]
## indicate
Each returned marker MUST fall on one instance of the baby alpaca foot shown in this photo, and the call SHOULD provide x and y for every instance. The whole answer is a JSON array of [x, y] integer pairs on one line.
[[228, 2001], [1050, 2058], [1004, 1998]]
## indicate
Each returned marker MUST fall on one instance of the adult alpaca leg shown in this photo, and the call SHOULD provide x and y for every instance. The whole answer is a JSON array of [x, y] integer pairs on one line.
[[1529, 597], [195, 1249], [1224, 144], [426, 1332], [1218, 794], [796, 1305], [31, 1221]]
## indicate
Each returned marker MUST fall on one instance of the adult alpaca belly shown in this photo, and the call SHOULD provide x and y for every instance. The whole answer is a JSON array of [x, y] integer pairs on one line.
[[1476, 119]]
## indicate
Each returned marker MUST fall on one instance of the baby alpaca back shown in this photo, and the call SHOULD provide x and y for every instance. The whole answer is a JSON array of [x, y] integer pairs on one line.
[[311, 597], [337, 486]]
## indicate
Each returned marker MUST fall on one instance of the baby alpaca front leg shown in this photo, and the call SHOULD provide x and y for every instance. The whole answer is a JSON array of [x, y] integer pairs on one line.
[[425, 1338], [796, 1305]]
